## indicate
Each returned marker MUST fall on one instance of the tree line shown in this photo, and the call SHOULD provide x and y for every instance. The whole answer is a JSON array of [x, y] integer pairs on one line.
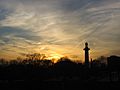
[[37, 67]]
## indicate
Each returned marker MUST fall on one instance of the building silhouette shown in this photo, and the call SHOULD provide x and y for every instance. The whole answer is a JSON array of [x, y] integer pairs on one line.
[[86, 49]]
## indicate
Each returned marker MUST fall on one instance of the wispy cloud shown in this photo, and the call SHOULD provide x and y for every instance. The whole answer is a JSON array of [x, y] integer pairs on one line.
[[60, 26]]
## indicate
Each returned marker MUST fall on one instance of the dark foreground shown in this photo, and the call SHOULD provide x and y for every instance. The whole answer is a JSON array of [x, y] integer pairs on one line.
[[58, 85], [63, 75]]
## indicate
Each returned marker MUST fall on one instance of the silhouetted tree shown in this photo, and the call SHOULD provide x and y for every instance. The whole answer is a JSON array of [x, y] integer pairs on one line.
[[35, 56], [3, 61]]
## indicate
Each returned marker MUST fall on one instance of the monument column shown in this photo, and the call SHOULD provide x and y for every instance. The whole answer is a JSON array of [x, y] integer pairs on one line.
[[86, 49]]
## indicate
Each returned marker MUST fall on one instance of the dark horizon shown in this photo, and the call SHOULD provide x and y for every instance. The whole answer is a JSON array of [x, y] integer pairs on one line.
[[64, 74]]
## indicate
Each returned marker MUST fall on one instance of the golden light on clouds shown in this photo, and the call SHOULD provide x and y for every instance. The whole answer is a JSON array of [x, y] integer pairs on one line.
[[59, 28]]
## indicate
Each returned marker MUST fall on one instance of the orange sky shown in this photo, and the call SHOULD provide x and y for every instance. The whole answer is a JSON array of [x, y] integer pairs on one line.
[[59, 28]]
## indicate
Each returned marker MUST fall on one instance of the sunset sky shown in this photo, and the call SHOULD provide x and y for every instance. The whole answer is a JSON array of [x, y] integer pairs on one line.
[[59, 28]]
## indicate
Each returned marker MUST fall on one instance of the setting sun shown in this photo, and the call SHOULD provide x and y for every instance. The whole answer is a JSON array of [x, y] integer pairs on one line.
[[55, 56]]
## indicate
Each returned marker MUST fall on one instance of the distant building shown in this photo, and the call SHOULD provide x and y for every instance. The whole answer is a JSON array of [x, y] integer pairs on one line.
[[113, 62], [114, 68], [86, 49]]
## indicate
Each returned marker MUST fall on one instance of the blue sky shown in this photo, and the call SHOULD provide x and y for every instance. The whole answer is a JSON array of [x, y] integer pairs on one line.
[[59, 27]]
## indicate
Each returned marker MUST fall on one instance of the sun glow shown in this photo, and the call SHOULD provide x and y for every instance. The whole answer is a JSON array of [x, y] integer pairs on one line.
[[55, 56]]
